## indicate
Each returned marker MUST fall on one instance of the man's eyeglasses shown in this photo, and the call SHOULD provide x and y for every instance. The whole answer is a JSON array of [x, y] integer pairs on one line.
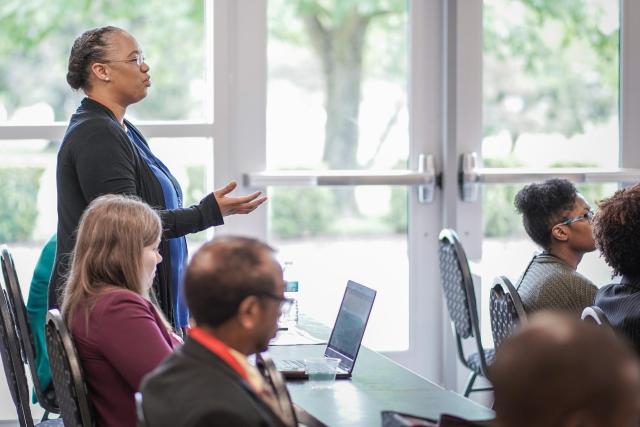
[[138, 60], [587, 216], [285, 303]]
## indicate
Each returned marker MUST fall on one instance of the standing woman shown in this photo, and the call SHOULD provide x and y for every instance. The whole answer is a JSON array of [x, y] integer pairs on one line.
[[103, 153]]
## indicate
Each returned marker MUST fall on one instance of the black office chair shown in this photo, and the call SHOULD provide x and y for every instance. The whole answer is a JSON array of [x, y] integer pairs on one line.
[[505, 308], [596, 315], [460, 297], [21, 323], [14, 368], [66, 373]]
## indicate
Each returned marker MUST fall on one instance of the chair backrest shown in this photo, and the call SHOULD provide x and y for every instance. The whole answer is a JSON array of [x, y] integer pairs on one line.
[[12, 363], [505, 308], [19, 315], [456, 281], [140, 421], [596, 315], [66, 373], [459, 293], [274, 378]]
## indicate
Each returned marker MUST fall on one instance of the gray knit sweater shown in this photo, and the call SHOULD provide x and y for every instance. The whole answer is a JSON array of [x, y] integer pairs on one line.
[[550, 284]]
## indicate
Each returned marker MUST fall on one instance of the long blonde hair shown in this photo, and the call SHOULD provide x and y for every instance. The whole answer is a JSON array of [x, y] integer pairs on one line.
[[112, 234]]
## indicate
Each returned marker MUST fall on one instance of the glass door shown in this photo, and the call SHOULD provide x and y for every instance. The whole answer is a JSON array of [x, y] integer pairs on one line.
[[318, 100], [337, 100], [551, 79], [333, 112]]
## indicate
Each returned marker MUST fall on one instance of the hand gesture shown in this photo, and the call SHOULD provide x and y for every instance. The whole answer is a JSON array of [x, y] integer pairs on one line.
[[237, 205]]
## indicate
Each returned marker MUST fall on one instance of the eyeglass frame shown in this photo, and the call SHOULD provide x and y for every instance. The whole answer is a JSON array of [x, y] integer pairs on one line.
[[284, 301], [138, 60], [587, 216]]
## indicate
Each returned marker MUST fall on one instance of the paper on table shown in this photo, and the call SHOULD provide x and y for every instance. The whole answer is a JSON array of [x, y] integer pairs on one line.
[[295, 336]]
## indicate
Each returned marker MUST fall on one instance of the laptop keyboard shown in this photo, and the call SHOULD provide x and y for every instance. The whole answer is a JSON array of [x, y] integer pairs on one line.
[[289, 365]]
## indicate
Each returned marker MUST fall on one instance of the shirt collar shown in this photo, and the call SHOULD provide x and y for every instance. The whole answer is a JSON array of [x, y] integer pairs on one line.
[[220, 349]]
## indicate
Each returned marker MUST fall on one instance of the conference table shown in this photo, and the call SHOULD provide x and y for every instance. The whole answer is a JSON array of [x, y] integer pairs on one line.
[[377, 384]]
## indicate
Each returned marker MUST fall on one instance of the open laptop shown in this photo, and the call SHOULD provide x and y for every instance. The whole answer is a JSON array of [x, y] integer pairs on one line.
[[346, 335]]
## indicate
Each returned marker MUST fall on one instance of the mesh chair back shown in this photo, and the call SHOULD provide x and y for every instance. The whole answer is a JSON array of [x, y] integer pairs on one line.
[[506, 309], [596, 315], [457, 284], [19, 314], [460, 298], [66, 373], [12, 363]]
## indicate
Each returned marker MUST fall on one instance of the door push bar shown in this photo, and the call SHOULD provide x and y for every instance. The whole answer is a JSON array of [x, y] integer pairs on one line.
[[471, 175], [424, 178]]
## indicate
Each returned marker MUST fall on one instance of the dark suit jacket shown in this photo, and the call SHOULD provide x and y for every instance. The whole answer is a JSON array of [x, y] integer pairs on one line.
[[620, 302], [194, 388]]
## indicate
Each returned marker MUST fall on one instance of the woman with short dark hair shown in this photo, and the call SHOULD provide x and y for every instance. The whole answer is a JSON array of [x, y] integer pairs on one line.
[[558, 219], [104, 153], [617, 232]]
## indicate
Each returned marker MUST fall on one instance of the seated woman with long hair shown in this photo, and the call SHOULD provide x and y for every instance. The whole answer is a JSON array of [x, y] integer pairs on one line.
[[119, 334]]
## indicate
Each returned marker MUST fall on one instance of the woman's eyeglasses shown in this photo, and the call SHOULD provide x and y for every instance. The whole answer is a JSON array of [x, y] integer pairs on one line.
[[138, 60], [587, 216]]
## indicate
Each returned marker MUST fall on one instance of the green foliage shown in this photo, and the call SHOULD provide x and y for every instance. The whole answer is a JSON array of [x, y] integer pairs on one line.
[[385, 51], [558, 61], [297, 212], [334, 13], [397, 217], [197, 186], [41, 32], [498, 213], [18, 211]]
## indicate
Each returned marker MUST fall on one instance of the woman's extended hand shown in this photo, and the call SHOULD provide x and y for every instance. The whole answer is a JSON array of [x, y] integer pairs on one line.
[[237, 205]]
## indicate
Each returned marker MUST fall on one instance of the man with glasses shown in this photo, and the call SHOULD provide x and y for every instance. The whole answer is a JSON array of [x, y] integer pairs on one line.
[[558, 219], [235, 293]]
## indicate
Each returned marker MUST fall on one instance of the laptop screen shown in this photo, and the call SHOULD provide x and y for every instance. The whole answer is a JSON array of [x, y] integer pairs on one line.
[[351, 323]]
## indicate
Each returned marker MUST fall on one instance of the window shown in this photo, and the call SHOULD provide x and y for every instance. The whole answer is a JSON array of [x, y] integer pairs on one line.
[[550, 99], [337, 99], [36, 103]]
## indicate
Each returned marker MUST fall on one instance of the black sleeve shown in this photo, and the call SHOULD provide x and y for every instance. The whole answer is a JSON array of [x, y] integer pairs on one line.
[[105, 165], [178, 222]]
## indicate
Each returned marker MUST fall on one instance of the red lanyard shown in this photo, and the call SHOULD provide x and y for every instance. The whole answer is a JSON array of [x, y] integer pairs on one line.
[[218, 348]]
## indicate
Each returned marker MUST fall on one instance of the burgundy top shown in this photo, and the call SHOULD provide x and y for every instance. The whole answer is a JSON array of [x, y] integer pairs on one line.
[[124, 341]]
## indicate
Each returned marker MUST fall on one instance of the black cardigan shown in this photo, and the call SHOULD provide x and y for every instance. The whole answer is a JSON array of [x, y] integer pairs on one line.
[[96, 158]]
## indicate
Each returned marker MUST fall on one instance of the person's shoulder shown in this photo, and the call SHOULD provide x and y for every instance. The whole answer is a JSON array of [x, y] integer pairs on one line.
[[544, 271], [607, 289], [113, 300], [579, 279], [90, 128], [552, 270], [189, 376], [211, 396]]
